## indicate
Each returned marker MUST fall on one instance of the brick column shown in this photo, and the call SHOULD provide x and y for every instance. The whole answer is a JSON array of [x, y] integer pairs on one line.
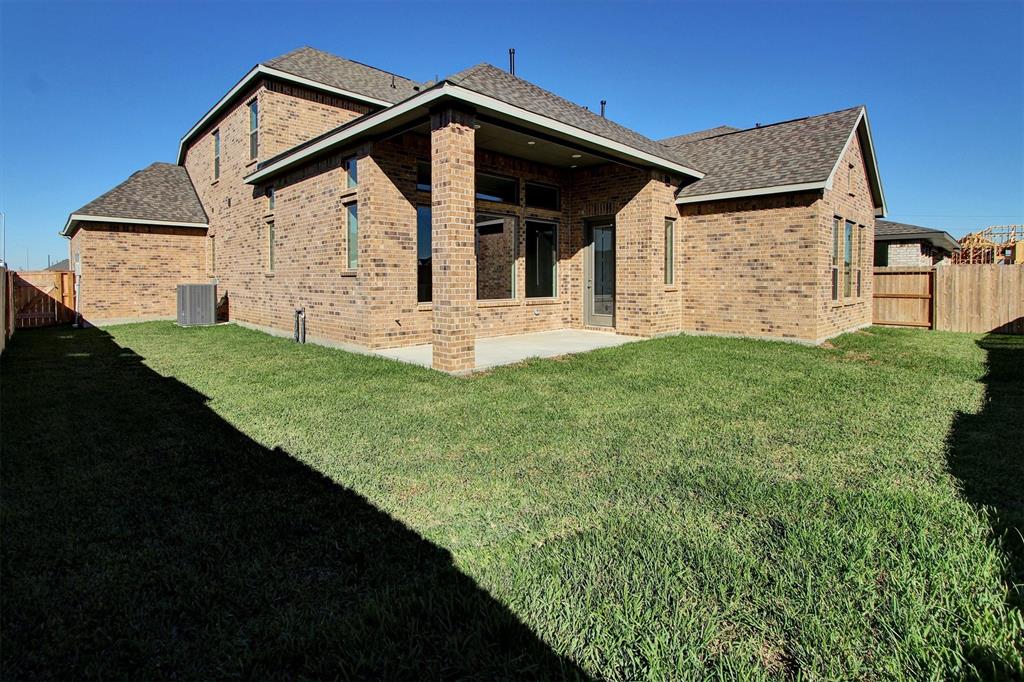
[[452, 163]]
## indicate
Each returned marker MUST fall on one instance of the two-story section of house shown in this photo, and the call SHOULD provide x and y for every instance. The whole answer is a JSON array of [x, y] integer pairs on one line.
[[398, 213]]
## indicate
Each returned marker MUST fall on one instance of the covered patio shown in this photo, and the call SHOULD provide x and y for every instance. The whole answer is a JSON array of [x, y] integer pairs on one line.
[[507, 350]]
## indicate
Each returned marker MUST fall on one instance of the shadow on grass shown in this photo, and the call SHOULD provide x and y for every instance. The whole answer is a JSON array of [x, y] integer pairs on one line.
[[145, 537], [986, 453]]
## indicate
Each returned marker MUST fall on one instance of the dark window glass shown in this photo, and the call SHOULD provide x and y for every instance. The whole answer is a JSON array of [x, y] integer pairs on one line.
[[353, 175], [216, 154], [497, 188], [540, 259], [543, 196], [254, 129], [424, 264], [353, 236], [270, 245], [670, 252], [881, 254], [423, 176]]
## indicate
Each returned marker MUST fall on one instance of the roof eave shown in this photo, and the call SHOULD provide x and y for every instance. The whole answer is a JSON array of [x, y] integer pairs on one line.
[[73, 221], [446, 90], [751, 192], [862, 129], [267, 71], [937, 238]]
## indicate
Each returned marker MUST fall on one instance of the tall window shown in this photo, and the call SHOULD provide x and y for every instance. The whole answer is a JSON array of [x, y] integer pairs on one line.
[[860, 256], [670, 251], [216, 154], [213, 253], [496, 248], [351, 168], [271, 199], [254, 129], [541, 259], [270, 245], [835, 259], [352, 218], [424, 264], [848, 260]]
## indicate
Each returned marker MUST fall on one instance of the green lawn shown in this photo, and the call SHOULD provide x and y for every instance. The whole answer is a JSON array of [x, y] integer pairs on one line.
[[210, 503]]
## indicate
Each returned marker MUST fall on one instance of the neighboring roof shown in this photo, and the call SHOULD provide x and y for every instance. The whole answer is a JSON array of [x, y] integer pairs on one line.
[[346, 74], [788, 156], [699, 135], [60, 265], [492, 90], [160, 194], [887, 230], [321, 71]]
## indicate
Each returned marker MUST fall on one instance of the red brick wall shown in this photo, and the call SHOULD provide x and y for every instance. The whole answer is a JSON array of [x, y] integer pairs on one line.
[[132, 271]]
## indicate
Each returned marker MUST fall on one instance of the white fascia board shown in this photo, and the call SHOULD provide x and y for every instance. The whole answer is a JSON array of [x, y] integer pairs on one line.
[[84, 218], [481, 102], [261, 70], [757, 191]]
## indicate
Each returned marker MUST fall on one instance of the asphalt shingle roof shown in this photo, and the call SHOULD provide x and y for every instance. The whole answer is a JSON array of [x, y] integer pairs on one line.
[[161, 191], [887, 228], [501, 85], [793, 152], [345, 74], [698, 135]]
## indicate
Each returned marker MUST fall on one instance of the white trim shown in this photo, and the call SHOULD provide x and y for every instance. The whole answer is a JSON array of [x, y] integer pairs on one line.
[[261, 70], [757, 191], [478, 100], [862, 118], [82, 217]]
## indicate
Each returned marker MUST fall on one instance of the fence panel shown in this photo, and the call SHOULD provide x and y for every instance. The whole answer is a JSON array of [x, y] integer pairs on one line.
[[980, 298], [43, 298], [903, 297]]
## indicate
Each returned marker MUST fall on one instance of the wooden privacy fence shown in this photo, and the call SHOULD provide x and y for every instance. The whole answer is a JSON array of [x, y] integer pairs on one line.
[[959, 298], [43, 298]]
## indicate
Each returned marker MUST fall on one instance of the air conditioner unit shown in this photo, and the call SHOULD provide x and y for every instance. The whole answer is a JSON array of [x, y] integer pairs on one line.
[[197, 304]]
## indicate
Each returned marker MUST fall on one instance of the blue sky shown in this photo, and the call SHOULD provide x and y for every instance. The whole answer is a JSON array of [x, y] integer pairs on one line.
[[90, 93]]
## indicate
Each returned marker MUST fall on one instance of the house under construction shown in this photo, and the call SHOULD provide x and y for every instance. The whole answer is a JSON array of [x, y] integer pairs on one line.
[[999, 244]]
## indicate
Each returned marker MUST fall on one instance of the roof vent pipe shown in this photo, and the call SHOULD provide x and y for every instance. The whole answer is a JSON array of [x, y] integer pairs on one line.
[[603, 103], [512, 60]]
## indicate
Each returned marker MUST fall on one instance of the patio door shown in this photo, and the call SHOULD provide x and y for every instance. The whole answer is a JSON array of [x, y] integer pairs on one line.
[[599, 295]]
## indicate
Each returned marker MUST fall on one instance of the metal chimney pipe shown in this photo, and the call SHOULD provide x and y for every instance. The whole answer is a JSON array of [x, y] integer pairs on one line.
[[603, 103], [512, 60]]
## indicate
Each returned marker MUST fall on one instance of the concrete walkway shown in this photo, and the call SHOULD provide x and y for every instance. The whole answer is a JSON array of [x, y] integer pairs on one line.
[[507, 350]]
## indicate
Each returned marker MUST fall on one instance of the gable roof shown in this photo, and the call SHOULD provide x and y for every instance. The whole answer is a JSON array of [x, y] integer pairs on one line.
[[318, 70], [789, 156], [160, 194], [328, 69], [494, 92], [887, 230], [489, 80], [698, 135]]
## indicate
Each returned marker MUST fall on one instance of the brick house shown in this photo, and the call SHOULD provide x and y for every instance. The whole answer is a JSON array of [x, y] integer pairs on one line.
[[903, 245], [399, 213]]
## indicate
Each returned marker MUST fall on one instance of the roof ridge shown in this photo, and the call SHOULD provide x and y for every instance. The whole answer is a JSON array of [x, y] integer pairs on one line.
[[771, 125], [339, 57]]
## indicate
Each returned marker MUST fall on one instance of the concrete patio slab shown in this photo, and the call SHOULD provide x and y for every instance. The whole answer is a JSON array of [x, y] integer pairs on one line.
[[506, 350]]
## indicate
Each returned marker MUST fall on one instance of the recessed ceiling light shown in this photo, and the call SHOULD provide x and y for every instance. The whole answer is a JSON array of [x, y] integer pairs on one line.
[[575, 156], [476, 126], [531, 142], [572, 166]]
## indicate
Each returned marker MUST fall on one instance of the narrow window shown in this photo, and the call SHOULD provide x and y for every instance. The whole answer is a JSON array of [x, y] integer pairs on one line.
[[424, 264], [497, 188], [423, 176], [496, 248], [270, 246], [213, 253], [860, 256], [353, 235], [352, 168], [541, 259], [670, 251], [848, 260], [835, 259], [216, 154], [270, 199], [543, 196], [254, 129]]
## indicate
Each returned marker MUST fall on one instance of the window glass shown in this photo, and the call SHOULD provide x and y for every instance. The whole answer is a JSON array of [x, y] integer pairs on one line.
[[881, 254], [497, 188], [543, 196], [496, 241], [423, 176], [848, 260], [424, 262], [216, 154], [541, 260], [270, 246], [353, 235], [254, 129], [270, 198], [352, 167], [835, 259], [670, 251]]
